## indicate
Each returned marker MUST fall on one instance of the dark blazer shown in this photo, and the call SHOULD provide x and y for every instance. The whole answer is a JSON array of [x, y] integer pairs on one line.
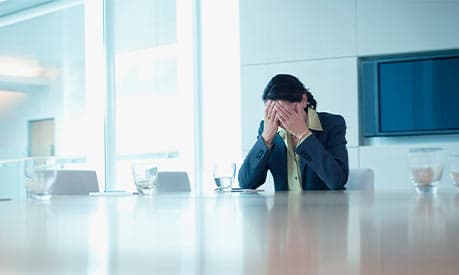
[[323, 159]]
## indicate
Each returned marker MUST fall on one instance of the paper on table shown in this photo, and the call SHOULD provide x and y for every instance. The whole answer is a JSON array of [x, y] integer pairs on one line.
[[241, 190], [116, 193]]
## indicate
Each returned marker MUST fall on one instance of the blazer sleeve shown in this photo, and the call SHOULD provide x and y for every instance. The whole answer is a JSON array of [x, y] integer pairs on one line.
[[329, 162], [254, 169]]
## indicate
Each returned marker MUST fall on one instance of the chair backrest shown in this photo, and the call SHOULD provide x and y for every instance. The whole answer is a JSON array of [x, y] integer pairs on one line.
[[173, 181], [360, 179], [75, 182]]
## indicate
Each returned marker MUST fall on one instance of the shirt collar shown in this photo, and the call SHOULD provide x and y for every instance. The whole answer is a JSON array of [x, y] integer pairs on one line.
[[313, 120]]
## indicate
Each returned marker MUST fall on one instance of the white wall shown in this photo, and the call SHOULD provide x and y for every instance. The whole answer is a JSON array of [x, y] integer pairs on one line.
[[394, 26], [320, 42]]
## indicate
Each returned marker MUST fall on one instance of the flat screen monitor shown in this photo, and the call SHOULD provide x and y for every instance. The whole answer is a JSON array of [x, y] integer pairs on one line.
[[412, 94]]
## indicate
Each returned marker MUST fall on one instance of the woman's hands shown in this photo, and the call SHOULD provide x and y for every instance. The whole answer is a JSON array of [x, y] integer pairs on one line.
[[271, 122], [293, 118], [290, 116]]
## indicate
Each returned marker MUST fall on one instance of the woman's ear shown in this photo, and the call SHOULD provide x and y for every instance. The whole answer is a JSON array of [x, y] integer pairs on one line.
[[302, 105], [304, 101]]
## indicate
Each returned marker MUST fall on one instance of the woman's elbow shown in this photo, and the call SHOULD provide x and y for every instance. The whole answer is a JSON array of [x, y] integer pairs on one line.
[[338, 183], [242, 180]]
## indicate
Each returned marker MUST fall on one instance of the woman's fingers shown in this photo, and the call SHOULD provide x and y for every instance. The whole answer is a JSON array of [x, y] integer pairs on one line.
[[271, 122], [270, 112], [281, 107], [267, 108], [282, 113]]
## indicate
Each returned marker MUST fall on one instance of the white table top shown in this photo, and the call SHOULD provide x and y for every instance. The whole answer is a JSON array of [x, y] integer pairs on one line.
[[286, 233]]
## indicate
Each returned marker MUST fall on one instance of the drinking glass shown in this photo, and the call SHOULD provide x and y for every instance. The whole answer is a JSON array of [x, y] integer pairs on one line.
[[224, 175], [40, 175], [454, 169], [145, 176], [426, 168]]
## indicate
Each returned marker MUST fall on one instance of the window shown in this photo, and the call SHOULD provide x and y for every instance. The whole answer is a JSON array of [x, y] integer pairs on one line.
[[123, 80], [150, 56]]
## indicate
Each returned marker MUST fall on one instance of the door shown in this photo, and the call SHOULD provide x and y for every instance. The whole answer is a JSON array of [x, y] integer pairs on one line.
[[41, 137]]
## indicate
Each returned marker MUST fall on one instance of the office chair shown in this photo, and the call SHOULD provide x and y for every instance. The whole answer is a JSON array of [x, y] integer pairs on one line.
[[173, 181], [360, 179], [75, 182]]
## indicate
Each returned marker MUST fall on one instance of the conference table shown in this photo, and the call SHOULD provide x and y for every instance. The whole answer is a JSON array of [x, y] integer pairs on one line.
[[319, 232]]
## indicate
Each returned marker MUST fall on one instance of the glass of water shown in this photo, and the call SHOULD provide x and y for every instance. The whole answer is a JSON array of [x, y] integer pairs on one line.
[[40, 175], [145, 176], [426, 167], [454, 169], [224, 175]]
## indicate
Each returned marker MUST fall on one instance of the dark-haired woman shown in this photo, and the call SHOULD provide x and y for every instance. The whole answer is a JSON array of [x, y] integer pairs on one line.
[[303, 149]]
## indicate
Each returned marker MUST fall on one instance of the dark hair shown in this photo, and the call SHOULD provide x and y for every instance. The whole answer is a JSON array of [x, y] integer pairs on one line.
[[287, 87]]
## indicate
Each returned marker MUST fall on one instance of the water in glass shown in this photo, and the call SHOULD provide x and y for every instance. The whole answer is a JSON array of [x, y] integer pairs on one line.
[[145, 176], [454, 169], [426, 168], [224, 175]]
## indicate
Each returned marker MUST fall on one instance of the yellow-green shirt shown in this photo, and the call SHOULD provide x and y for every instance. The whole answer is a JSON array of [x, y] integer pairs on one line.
[[293, 160]]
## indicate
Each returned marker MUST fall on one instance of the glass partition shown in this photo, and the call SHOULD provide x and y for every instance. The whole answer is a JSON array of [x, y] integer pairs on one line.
[[42, 88]]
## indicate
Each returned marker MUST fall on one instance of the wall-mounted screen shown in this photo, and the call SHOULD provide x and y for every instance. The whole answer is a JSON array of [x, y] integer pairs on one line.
[[411, 94]]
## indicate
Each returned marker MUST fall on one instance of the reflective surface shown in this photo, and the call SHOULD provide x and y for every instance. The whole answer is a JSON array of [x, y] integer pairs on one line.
[[396, 232]]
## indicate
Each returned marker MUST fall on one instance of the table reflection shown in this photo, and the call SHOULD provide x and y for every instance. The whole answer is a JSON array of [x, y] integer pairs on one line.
[[152, 234], [282, 233], [297, 235], [408, 233]]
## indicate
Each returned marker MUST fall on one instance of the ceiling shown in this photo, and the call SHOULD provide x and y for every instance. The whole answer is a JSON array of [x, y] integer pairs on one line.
[[11, 6]]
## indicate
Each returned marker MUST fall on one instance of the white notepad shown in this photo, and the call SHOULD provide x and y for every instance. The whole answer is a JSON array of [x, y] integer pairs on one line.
[[115, 193]]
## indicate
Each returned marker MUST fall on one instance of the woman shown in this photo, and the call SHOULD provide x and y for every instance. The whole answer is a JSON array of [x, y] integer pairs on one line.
[[303, 149]]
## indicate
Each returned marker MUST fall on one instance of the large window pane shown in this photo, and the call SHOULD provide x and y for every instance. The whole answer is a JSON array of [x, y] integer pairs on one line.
[[221, 90], [153, 86]]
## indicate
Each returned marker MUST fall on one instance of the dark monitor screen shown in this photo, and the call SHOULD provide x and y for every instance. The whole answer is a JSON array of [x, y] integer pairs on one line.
[[419, 95]]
